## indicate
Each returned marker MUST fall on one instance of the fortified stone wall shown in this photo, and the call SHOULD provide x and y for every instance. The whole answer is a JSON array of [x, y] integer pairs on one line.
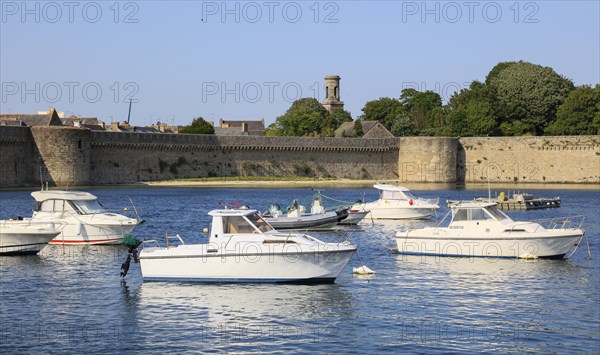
[[573, 159], [63, 153], [16, 157], [427, 159], [131, 157], [77, 156]]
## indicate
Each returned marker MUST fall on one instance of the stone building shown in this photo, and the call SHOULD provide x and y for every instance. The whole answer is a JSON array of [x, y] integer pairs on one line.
[[371, 129], [240, 128]]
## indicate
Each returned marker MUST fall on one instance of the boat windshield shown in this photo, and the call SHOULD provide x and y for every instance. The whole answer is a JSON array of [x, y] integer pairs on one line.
[[494, 211], [238, 224], [88, 206], [259, 222], [465, 214]]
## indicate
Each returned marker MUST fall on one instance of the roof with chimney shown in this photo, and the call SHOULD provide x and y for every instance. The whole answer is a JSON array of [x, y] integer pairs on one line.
[[240, 127]]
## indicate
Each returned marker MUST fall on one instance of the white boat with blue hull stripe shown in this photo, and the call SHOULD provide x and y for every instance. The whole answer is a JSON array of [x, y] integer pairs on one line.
[[243, 247], [482, 230]]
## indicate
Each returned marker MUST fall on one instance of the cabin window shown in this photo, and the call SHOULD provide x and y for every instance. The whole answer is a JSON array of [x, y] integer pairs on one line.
[[47, 206], [460, 215], [393, 195], [236, 224], [260, 223], [471, 215], [89, 206], [494, 211]]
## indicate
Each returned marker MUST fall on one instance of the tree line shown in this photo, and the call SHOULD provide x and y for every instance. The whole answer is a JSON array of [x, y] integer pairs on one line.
[[516, 98]]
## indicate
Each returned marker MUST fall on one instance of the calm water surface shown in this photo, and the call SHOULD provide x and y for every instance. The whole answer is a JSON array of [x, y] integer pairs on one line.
[[72, 299]]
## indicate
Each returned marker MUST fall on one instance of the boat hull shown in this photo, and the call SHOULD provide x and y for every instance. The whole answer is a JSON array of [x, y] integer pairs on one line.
[[24, 241], [83, 231], [200, 265], [550, 245], [353, 218], [380, 211], [308, 222]]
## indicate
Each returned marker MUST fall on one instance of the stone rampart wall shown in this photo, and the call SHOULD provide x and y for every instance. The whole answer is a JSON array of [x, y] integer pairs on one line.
[[77, 156], [131, 157], [17, 165], [573, 159]]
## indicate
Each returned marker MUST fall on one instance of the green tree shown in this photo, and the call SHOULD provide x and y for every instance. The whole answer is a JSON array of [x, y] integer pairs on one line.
[[340, 116], [404, 126], [531, 94], [198, 126], [383, 110], [305, 117], [579, 114], [358, 130], [472, 112], [423, 108]]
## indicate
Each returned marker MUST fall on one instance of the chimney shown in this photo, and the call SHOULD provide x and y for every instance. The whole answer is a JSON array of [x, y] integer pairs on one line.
[[114, 126], [77, 123]]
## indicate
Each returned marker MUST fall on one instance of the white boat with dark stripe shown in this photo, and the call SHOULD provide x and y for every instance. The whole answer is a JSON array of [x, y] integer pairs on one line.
[[18, 237], [482, 230], [243, 247], [86, 220]]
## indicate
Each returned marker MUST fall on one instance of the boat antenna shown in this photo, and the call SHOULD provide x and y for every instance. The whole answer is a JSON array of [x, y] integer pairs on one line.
[[129, 114], [487, 176]]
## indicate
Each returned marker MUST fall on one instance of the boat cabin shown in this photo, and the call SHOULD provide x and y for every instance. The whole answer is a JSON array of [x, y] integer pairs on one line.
[[394, 192], [73, 202], [238, 221], [477, 212]]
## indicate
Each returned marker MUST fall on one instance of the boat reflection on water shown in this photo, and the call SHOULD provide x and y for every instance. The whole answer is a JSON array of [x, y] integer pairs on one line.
[[228, 316]]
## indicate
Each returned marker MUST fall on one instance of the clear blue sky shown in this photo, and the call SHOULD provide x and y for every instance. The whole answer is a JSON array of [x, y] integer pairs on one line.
[[247, 60]]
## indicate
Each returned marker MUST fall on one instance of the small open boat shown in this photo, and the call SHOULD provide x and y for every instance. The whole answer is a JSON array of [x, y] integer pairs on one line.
[[243, 247], [296, 217]]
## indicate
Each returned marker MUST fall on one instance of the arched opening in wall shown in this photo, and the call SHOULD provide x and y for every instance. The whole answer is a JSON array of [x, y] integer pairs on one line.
[[336, 92], [326, 92], [79, 144]]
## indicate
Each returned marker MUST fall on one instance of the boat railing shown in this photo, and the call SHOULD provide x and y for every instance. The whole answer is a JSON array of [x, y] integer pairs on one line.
[[31, 223], [570, 222], [155, 243], [555, 223]]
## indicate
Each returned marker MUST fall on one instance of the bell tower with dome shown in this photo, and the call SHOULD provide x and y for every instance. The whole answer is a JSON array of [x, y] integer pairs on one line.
[[332, 93]]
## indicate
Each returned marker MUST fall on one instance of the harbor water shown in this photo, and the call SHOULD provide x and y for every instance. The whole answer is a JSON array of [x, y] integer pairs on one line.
[[72, 298]]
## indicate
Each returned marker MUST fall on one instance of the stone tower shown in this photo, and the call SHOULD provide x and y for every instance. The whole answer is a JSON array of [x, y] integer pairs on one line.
[[332, 93]]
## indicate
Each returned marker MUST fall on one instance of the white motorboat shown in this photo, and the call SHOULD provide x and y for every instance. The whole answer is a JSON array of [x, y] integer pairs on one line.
[[25, 237], [296, 217], [86, 220], [397, 202], [482, 230], [243, 247]]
